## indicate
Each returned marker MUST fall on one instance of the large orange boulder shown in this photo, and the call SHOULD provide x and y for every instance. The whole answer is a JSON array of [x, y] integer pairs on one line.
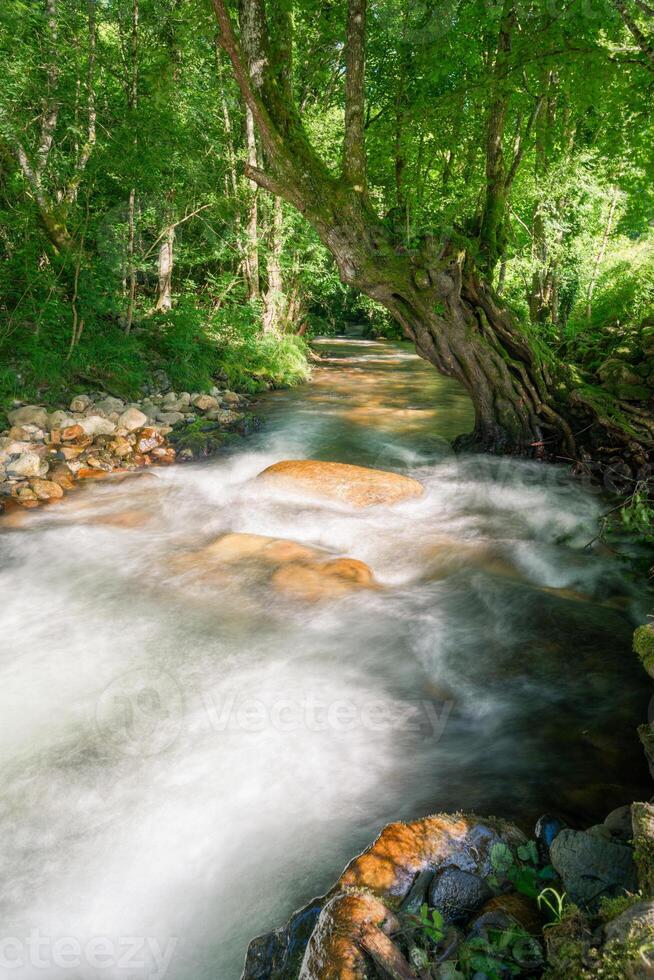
[[356, 485]]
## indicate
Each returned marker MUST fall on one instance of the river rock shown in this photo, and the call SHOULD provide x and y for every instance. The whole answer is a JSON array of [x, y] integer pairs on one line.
[[28, 464], [359, 911], [278, 955], [170, 418], [60, 420], [235, 547], [95, 425], [61, 474], [132, 418], [591, 867], [110, 404], [230, 398], [457, 894], [80, 403], [148, 439], [47, 489], [630, 939], [644, 646], [312, 581], [224, 416], [204, 402], [29, 415], [26, 433], [12, 447], [356, 485]]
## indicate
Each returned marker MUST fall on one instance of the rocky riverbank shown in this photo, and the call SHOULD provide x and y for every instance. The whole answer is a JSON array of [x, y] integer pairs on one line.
[[461, 897], [44, 452]]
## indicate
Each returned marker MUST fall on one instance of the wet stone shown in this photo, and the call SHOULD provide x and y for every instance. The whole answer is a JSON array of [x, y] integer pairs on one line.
[[457, 894]]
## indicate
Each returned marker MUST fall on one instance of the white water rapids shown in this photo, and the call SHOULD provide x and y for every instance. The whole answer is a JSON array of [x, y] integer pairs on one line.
[[183, 763]]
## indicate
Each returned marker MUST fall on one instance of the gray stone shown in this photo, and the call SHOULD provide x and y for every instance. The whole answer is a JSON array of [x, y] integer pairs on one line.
[[204, 402], [619, 822], [224, 416], [60, 420], [633, 930], [591, 867], [111, 404], [95, 425], [132, 418], [170, 418], [80, 403], [29, 464], [29, 415], [457, 894]]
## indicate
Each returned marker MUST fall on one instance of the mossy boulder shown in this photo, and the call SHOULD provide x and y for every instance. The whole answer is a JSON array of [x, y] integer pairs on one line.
[[200, 439], [644, 646]]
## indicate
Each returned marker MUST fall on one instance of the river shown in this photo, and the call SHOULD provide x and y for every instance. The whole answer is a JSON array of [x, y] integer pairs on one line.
[[186, 759]]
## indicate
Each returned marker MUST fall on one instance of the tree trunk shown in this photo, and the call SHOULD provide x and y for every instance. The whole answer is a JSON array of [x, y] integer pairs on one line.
[[251, 260], [274, 299], [599, 258], [165, 295]]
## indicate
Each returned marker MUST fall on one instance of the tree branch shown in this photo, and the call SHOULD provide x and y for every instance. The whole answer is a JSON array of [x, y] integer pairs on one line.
[[643, 42]]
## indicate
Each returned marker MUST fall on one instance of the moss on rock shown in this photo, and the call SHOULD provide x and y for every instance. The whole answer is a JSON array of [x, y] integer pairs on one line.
[[644, 646]]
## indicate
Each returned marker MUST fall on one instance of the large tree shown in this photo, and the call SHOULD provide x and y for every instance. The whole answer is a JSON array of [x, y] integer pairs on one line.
[[437, 286]]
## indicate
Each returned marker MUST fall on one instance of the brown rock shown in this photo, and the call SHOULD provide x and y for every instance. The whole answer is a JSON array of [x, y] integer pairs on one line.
[[72, 432], [358, 912], [164, 454], [71, 452], [86, 473], [315, 580], [240, 547], [524, 910], [356, 485], [148, 439], [120, 447], [47, 489], [62, 475]]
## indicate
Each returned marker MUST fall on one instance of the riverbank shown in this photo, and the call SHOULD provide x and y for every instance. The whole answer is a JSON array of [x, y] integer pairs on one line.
[[44, 453]]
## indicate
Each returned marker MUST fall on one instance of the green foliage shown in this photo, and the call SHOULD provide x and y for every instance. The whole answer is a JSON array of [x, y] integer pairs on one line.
[[553, 903], [521, 868], [431, 923], [500, 953], [611, 908]]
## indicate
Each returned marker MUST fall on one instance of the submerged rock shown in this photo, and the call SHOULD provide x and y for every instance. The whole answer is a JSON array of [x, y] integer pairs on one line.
[[312, 581], [235, 547], [356, 485]]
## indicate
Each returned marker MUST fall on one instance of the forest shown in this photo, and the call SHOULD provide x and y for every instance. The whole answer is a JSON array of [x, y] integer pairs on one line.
[[379, 276], [151, 214]]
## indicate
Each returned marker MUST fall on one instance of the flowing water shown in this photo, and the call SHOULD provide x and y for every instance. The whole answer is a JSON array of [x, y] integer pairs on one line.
[[187, 755]]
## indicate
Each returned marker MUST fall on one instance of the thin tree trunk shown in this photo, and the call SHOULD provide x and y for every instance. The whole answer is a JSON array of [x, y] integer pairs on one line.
[[274, 298], [599, 258], [166, 260], [132, 104], [251, 263]]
